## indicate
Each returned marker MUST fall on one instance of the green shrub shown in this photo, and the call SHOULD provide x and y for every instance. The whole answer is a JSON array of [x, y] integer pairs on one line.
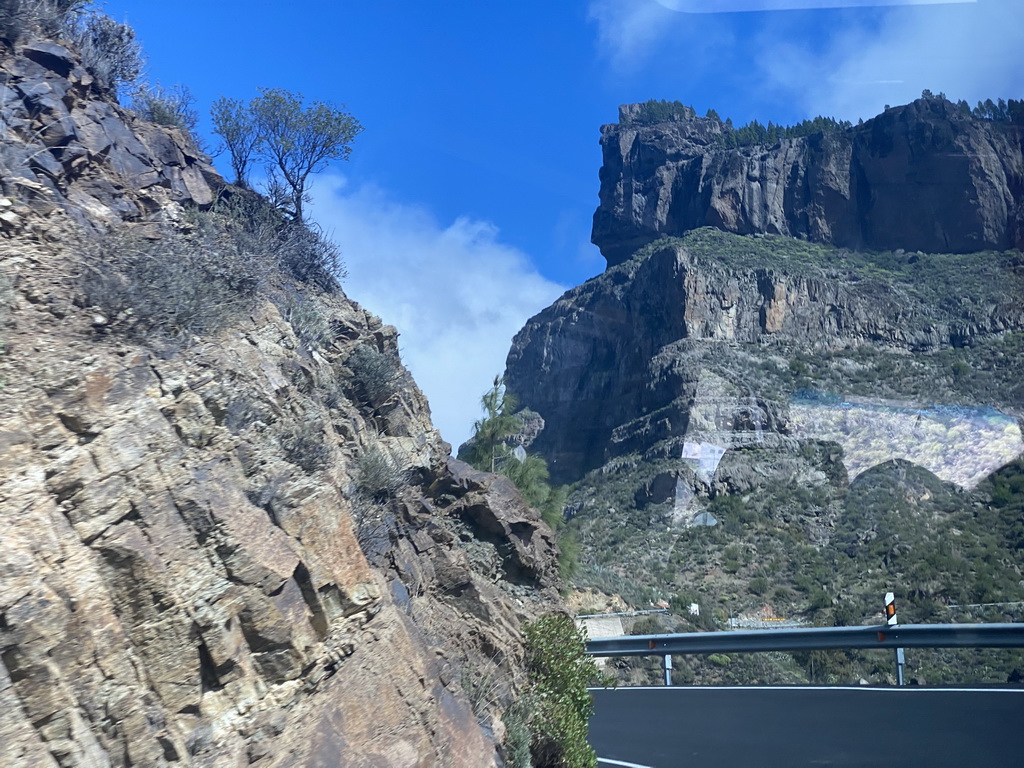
[[307, 318], [376, 475], [758, 585], [559, 671], [517, 734]]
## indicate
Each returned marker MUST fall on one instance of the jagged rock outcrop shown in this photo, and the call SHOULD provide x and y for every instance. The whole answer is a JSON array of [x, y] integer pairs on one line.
[[614, 365], [196, 570], [65, 146], [918, 177]]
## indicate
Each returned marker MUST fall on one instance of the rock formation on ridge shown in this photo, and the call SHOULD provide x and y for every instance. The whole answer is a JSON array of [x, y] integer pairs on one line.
[[919, 177]]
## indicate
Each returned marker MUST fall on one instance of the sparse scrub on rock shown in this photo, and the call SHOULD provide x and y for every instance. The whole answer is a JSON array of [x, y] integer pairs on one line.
[[305, 446], [174, 286], [375, 374], [306, 317], [51, 17], [377, 476], [172, 106], [109, 49]]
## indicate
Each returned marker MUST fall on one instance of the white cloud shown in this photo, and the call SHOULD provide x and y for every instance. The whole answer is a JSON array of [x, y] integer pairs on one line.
[[455, 292], [729, 6], [628, 28], [968, 49], [970, 52]]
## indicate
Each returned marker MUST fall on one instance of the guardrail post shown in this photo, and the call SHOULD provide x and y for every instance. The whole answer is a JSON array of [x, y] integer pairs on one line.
[[892, 621], [667, 666]]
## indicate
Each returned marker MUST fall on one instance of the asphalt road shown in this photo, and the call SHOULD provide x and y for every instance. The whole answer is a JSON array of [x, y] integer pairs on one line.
[[796, 726]]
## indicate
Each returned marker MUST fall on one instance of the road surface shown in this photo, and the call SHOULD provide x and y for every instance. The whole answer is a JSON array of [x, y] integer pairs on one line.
[[767, 726]]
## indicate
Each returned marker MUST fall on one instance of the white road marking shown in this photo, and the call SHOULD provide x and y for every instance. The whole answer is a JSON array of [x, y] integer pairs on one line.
[[624, 765]]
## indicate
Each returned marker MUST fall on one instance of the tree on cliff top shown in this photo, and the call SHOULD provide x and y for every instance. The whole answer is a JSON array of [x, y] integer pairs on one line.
[[233, 122], [295, 140]]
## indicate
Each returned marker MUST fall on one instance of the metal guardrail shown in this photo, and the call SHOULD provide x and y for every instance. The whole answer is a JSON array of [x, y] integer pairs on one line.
[[815, 639]]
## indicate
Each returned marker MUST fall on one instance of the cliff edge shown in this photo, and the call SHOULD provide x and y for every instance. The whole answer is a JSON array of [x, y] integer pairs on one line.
[[923, 176]]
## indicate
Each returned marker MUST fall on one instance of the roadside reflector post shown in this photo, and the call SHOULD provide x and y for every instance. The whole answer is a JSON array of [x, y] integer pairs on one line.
[[667, 666], [891, 621]]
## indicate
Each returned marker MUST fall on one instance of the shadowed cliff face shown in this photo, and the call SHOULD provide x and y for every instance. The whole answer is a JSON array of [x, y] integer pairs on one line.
[[199, 566], [917, 177]]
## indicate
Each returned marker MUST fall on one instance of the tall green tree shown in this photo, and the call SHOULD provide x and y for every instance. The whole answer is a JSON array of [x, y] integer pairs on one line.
[[487, 450]]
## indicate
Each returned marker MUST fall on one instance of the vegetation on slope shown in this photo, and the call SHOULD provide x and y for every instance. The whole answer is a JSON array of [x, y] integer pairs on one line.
[[496, 446], [796, 539]]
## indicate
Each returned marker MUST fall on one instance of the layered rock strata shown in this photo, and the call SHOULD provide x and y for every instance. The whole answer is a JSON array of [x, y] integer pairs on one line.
[[614, 365], [918, 177], [195, 569]]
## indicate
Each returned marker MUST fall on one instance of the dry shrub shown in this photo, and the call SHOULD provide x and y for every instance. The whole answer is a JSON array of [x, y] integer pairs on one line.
[[177, 286], [376, 375]]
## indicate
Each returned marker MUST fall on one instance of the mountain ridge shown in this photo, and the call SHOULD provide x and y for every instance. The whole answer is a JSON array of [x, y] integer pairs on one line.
[[923, 176]]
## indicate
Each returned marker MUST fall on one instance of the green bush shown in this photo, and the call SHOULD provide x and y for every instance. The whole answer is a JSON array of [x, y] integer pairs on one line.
[[559, 671]]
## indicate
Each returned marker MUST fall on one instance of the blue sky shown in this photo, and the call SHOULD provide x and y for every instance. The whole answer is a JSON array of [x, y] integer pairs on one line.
[[466, 204]]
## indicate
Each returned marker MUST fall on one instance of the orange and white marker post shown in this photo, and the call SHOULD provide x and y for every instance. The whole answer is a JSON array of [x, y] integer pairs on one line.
[[891, 621]]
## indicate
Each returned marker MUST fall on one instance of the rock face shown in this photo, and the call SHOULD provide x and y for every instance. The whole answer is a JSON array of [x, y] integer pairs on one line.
[[917, 177], [65, 146], [194, 571], [614, 365]]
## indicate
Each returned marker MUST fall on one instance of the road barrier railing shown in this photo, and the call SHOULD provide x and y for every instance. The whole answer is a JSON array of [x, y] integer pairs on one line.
[[815, 639]]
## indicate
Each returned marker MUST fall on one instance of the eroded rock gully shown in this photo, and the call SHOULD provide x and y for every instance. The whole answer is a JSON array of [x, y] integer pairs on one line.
[[175, 588]]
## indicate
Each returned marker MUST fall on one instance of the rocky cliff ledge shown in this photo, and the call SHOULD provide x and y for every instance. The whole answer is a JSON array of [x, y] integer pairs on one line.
[[246, 546], [918, 177], [614, 365]]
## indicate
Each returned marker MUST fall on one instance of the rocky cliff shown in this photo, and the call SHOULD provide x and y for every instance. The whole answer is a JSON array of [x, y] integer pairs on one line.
[[919, 177], [780, 416], [615, 363], [230, 542]]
